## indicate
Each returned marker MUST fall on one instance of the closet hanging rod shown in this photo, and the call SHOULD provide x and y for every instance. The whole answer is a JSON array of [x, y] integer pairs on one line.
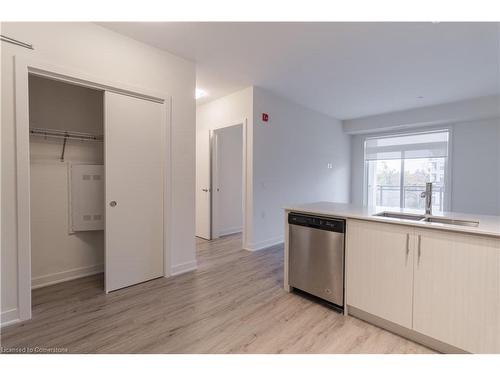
[[62, 134], [5, 38]]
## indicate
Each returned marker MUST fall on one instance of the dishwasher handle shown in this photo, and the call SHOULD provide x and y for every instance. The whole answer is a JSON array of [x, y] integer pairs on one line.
[[317, 222]]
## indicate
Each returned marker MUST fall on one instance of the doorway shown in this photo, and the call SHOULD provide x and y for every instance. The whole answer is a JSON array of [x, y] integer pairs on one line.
[[221, 181], [133, 147], [227, 181], [74, 233], [66, 181]]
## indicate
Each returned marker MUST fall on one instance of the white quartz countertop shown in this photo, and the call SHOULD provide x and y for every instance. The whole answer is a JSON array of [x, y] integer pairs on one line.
[[488, 225]]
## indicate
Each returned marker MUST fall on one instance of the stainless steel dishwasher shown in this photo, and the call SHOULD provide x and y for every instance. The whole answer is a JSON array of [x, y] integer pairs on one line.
[[316, 256]]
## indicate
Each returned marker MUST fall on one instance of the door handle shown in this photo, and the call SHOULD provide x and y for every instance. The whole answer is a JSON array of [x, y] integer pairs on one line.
[[407, 244], [205, 190], [419, 247], [112, 203]]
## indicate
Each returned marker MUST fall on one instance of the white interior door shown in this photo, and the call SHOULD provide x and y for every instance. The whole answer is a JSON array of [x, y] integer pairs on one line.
[[227, 181], [203, 193], [134, 167], [215, 183]]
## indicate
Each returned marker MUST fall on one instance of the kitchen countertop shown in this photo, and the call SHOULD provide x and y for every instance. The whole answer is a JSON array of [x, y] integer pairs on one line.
[[488, 225]]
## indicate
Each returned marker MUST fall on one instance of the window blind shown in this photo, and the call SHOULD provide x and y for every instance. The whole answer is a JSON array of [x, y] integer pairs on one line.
[[408, 146]]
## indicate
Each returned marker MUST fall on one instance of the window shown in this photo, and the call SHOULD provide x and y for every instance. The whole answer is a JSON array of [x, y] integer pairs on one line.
[[397, 168]]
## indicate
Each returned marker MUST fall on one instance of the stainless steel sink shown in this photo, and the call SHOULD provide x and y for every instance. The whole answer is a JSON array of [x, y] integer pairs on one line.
[[400, 215], [445, 220], [428, 219]]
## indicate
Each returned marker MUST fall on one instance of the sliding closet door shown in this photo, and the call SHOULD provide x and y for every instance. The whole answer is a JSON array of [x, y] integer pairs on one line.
[[134, 168]]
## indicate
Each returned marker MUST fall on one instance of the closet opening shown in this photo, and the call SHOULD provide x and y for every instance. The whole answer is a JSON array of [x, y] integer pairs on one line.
[[66, 185]]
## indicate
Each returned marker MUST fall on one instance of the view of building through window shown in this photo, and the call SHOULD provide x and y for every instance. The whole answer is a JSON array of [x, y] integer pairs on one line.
[[399, 181]]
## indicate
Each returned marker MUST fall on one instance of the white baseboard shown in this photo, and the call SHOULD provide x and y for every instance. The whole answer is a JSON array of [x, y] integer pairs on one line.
[[9, 317], [59, 277], [228, 231], [183, 268], [264, 244]]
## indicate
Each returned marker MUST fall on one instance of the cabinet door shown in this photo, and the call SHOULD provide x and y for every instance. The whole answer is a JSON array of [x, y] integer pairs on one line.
[[457, 290], [380, 270]]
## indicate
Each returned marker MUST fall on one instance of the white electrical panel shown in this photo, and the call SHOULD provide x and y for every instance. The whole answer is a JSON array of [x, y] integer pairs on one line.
[[87, 197]]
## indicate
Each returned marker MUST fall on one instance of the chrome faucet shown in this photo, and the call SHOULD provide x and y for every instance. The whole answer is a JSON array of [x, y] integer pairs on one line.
[[427, 194]]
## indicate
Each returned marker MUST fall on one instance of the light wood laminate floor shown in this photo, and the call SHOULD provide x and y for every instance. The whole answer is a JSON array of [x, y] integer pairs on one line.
[[233, 303]]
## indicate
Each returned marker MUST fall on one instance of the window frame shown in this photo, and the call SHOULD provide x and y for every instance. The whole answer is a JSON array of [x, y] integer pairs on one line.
[[447, 206]]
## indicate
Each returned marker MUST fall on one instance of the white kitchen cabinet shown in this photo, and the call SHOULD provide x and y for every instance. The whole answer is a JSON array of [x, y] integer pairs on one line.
[[457, 289], [379, 270], [444, 285]]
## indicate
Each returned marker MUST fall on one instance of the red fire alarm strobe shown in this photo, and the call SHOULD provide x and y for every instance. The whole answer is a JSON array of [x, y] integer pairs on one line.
[[265, 117]]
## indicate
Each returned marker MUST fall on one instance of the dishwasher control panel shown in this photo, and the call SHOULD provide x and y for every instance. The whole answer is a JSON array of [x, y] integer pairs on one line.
[[324, 223]]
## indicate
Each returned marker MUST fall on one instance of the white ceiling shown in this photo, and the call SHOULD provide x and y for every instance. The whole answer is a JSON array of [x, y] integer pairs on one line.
[[346, 70]]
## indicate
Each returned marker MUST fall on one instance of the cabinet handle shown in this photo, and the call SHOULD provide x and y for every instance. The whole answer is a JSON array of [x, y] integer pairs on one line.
[[419, 246], [407, 244]]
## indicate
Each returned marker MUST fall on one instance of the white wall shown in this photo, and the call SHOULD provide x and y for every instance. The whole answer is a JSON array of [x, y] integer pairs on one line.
[[101, 53], [61, 106], [475, 160], [287, 159], [229, 188], [290, 157], [57, 254], [227, 111], [476, 167]]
